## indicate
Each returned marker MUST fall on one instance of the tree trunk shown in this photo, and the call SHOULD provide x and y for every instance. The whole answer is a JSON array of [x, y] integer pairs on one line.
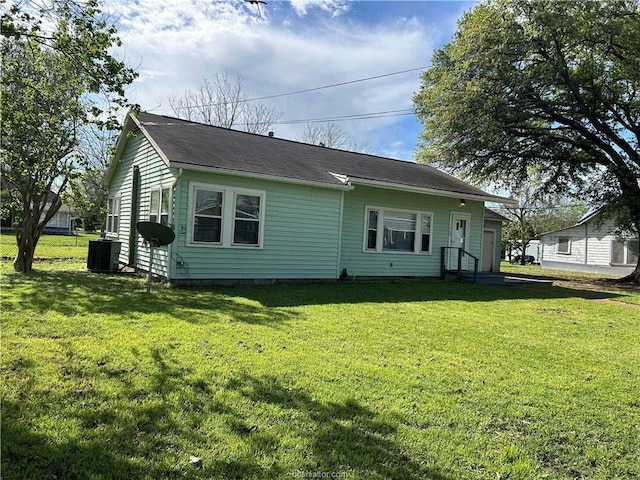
[[27, 239], [633, 277]]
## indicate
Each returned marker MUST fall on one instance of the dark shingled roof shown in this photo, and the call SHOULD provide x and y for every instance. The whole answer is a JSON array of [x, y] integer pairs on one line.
[[196, 144], [491, 215]]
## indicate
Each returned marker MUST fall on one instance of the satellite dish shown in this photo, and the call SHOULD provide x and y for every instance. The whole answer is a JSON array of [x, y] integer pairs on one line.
[[157, 235]]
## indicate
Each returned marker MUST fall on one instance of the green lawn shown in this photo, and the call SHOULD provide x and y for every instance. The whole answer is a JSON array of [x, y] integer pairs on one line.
[[383, 380], [51, 246], [538, 271]]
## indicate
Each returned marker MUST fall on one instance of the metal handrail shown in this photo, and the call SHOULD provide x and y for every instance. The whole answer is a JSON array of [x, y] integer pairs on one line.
[[443, 269]]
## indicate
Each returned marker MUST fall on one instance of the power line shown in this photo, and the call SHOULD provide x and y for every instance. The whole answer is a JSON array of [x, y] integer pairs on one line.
[[359, 116], [338, 84], [307, 90]]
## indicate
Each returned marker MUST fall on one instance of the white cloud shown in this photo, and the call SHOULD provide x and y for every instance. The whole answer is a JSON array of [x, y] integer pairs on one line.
[[335, 7], [175, 44]]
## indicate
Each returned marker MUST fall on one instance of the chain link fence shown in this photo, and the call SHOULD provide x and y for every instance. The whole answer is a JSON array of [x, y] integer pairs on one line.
[[51, 247]]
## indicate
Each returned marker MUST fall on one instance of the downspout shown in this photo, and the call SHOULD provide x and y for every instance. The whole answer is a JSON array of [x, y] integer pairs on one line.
[[135, 200], [340, 234], [170, 247], [586, 242]]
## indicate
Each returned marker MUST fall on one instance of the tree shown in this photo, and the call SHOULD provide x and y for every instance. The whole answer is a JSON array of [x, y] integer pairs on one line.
[[87, 194], [331, 136], [55, 81], [543, 84], [535, 213], [223, 103]]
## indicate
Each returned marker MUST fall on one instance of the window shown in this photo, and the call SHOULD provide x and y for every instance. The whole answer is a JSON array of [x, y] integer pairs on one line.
[[159, 205], [113, 214], [564, 245], [388, 230], [246, 227], [425, 245], [226, 217], [399, 231], [372, 230], [207, 218], [624, 251]]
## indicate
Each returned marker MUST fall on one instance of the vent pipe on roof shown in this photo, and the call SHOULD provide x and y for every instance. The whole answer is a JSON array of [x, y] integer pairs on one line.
[[271, 134], [322, 144]]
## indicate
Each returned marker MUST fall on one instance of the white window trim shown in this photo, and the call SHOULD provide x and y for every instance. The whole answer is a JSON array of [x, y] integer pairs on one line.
[[111, 233], [159, 187], [228, 215], [417, 243], [568, 252]]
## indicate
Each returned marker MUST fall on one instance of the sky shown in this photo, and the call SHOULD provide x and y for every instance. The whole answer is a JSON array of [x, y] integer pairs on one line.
[[287, 46]]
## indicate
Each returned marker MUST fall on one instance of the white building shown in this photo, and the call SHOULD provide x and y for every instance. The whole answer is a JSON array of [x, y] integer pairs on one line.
[[590, 246]]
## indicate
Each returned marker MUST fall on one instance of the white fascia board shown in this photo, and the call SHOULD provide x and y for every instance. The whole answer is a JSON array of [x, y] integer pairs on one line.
[[129, 123], [432, 191], [115, 159], [259, 176], [152, 142]]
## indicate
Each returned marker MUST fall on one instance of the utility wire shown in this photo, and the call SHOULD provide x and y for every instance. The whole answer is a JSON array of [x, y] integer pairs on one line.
[[307, 90], [360, 116]]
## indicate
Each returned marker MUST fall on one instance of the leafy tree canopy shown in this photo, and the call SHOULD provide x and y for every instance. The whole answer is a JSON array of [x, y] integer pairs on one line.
[[57, 77], [553, 86]]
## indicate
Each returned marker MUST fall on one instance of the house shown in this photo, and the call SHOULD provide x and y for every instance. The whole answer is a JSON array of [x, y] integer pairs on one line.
[[60, 224], [590, 246], [248, 207]]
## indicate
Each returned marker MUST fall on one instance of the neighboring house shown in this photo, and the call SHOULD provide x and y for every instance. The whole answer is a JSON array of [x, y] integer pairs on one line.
[[590, 246], [258, 208], [61, 223], [492, 240]]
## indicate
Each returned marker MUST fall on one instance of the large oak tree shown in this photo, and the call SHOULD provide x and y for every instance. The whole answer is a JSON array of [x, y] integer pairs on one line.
[[57, 77], [544, 85]]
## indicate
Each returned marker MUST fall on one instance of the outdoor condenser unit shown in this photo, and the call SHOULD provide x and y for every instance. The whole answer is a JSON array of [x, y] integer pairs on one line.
[[103, 256]]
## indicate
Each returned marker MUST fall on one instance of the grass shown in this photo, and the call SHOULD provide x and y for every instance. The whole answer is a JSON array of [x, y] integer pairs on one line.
[[411, 380], [538, 271], [50, 246]]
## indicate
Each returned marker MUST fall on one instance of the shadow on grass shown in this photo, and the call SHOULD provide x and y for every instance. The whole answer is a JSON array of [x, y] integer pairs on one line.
[[410, 291], [150, 431], [71, 293], [346, 437]]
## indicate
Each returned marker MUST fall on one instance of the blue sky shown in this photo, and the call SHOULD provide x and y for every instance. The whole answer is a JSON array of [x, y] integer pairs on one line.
[[290, 46]]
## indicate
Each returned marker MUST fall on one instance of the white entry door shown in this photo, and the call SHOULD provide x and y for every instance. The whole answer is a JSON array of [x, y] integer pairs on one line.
[[459, 239], [488, 250]]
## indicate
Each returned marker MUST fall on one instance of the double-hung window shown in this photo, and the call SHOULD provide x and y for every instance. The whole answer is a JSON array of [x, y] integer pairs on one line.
[[113, 214], [246, 225], [226, 216], [391, 230], [207, 216], [159, 205], [564, 245], [624, 251]]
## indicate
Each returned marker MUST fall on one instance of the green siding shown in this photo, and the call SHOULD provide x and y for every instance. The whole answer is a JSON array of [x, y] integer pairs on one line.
[[370, 264], [301, 234], [153, 172], [497, 226]]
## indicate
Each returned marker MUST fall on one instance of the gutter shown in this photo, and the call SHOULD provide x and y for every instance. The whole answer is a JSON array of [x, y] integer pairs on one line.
[[170, 246], [340, 234], [260, 176], [432, 191]]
